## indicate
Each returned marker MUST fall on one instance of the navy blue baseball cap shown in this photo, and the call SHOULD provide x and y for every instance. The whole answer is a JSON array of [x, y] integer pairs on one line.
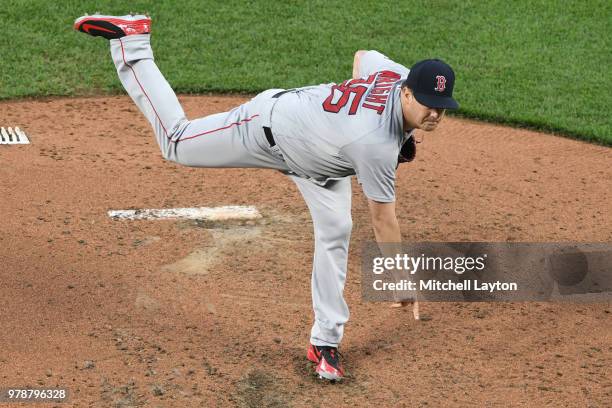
[[432, 83]]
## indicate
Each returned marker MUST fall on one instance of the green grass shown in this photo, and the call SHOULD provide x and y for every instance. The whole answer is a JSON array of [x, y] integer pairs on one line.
[[540, 64]]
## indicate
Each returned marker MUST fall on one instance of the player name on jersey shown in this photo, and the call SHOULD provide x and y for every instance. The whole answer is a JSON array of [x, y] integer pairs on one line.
[[377, 97]]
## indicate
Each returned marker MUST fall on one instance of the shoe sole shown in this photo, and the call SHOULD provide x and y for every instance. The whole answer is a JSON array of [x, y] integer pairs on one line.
[[327, 376], [113, 19]]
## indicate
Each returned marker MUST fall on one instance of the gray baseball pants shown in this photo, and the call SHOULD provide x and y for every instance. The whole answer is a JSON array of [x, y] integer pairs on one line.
[[236, 139]]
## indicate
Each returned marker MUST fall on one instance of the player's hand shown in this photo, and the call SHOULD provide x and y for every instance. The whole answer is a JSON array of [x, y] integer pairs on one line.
[[415, 309]]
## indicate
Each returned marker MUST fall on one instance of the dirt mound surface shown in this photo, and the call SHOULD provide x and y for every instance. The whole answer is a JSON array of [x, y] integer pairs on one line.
[[181, 313]]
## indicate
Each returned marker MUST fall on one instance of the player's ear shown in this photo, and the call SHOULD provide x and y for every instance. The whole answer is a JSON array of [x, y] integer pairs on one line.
[[407, 92]]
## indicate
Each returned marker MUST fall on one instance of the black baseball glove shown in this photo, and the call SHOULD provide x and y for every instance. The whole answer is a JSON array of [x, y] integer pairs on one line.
[[408, 151]]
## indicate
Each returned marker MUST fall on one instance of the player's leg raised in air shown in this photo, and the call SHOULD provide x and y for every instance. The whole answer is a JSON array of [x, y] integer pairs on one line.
[[229, 139]]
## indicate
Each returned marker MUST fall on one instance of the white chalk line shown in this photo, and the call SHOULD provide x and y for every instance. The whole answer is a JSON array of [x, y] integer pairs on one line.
[[13, 136]]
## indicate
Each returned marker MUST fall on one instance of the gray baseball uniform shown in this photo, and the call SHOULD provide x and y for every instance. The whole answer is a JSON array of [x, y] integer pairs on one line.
[[322, 135]]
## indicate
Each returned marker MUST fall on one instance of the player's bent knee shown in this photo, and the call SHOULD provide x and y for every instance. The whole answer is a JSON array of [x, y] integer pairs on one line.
[[168, 152], [337, 230], [346, 227]]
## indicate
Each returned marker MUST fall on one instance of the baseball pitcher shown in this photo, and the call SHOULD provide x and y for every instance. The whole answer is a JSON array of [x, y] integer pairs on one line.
[[318, 135]]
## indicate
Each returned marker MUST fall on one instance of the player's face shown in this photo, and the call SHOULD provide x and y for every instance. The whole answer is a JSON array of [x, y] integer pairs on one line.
[[417, 116]]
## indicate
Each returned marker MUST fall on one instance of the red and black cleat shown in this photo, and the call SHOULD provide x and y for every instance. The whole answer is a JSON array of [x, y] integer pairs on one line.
[[313, 354], [327, 359], [112, 27]]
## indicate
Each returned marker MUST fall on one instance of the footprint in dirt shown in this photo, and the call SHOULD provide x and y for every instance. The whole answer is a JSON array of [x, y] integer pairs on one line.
[[259, 388], [201, 260]]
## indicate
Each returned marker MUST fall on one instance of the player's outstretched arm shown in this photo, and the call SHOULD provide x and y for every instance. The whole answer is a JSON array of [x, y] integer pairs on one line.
[[384, 221], [389, 237], [356, 61]]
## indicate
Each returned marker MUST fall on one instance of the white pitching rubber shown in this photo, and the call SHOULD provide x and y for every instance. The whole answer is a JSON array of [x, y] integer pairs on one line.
[[199, 213]]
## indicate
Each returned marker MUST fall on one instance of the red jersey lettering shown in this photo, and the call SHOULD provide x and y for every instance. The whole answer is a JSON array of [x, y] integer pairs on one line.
[[378, 108]]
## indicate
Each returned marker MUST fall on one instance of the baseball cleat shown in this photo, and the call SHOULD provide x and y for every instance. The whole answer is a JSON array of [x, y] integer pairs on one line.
[[313, 354], [112, 27], [328, 362]]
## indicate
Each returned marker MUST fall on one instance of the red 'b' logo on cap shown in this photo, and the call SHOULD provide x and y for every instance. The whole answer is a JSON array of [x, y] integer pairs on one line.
[[441, 84]]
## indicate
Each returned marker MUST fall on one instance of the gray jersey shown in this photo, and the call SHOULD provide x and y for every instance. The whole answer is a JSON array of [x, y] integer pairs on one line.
[[356, 127]]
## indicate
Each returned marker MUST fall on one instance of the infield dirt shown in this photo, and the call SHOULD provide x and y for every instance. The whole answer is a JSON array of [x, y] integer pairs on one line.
[[185, 313]]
